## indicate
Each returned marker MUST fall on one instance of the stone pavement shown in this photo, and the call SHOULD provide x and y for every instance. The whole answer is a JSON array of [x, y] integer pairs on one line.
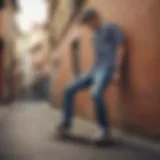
[[27, 133]]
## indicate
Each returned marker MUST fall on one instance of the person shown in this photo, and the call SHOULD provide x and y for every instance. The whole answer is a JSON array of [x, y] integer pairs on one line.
[[109, 48]]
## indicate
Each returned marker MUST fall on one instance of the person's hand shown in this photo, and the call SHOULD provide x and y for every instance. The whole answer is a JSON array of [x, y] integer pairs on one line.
[[116, 78]]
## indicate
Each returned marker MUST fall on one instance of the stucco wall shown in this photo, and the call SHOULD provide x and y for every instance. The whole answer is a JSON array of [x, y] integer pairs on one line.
[[1, 24], [7, 32], [1, 51], [136, 105]]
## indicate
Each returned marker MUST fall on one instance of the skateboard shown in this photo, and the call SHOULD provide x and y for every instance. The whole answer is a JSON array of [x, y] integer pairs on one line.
[[80, 139]]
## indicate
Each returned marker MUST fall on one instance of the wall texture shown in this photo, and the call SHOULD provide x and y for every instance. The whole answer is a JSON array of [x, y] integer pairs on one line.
[[136, 104], [1, 50], [7, 33]]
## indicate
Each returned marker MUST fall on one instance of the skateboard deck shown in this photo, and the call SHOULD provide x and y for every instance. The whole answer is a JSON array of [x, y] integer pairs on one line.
[[80, 139]]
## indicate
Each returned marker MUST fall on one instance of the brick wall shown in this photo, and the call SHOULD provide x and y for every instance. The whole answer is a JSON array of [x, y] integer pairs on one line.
[[135, 105]]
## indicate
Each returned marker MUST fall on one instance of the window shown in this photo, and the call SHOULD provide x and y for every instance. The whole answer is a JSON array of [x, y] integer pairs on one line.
[[75, 50], [15, 4], [2, 4], [1, 44]]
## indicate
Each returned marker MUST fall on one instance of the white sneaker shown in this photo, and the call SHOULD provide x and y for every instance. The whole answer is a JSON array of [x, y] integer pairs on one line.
[[102, 136]]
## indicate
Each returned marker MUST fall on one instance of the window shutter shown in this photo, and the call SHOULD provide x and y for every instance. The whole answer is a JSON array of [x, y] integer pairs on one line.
[[15, 4], [2, 4], [1, 45], [75, 46]]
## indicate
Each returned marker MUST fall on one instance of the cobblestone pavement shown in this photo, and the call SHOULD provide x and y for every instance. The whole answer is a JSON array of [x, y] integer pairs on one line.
[[27, 133]]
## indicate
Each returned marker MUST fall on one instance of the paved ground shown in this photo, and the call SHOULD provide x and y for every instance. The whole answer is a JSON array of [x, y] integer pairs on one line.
[[27, 133]]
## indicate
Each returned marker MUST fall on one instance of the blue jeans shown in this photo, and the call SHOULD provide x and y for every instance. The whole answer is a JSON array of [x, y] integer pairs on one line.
[[99, 79]]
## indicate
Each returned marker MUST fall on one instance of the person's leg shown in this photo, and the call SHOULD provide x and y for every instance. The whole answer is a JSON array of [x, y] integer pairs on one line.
[[102, 79], [80, 83]]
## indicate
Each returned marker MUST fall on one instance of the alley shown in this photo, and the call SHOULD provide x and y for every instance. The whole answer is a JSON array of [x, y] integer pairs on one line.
[[27, 133]]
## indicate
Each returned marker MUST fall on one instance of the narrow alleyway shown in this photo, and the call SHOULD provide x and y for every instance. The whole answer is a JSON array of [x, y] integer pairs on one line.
[[27, 133]]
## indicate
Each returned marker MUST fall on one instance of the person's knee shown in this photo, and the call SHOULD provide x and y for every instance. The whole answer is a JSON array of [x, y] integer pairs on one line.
[[96, 96], [69, 90]]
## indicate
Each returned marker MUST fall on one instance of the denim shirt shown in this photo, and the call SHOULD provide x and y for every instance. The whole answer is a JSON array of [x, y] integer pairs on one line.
[[106, 40]]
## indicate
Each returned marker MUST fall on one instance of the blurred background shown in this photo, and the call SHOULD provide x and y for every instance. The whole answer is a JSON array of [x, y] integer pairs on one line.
[[42, 49]]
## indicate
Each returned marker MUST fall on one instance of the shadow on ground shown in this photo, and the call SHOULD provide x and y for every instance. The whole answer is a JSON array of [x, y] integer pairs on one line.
[[28, 133]]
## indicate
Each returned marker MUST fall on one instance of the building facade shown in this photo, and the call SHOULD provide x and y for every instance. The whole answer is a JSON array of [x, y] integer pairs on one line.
[[2, 4], [8, 30], [39, 56], [134, 104]]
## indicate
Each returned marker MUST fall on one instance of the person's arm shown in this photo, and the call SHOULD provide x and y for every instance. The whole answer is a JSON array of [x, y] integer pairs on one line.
[[118, 65], [120, 51], [120, 56]]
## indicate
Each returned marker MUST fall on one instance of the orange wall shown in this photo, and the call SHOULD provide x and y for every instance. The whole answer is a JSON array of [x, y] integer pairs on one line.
[[1, 53], [1, 23], [1, 73], [136, 105]]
